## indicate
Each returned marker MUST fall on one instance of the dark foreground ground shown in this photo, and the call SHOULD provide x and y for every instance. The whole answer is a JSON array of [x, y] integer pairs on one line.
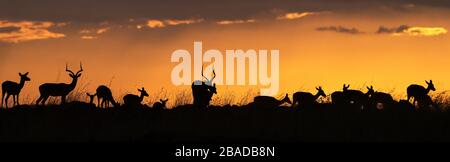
[[77, 123]]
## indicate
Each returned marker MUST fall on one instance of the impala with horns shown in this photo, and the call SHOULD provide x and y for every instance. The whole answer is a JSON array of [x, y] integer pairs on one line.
[[202, 91], [59, 89]]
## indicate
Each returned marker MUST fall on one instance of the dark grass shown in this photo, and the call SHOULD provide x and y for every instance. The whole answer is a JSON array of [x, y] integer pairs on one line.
[[80, 122]]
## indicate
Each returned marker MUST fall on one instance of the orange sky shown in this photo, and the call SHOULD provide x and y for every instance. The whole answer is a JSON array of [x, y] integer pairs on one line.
[[129, 58]]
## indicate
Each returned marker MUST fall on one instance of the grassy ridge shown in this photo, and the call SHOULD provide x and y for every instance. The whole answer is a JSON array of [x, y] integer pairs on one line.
[[324, 122]]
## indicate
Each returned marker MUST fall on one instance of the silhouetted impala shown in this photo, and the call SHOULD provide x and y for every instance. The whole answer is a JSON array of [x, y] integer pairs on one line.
[[202, 91], [105, 94], [306, 98], [338, 98], [380, 100], [135, 100], [13, 88], [59, 89], [91, 98], [160, 105], [271, 102], [418, 91], [355, 98]]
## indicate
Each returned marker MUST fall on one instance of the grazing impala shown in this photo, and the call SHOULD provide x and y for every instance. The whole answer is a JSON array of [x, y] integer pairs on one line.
[[380, 100], [13, 88], [202, 91], [270, 102], [160, 105], [135, 100], [418, 91], [105, 94], [306, 98], [59, 89]]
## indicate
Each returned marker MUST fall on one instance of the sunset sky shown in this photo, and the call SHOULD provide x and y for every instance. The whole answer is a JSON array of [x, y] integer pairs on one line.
[[128, 44]]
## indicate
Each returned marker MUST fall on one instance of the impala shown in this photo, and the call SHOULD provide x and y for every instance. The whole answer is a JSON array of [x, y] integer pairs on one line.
[[59, 89], [417, 91], [306, 98], [105, 94], [202, 91], [13, 88], [135, 100]]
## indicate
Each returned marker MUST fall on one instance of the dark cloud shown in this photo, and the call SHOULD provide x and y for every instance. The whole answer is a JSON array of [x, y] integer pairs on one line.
[[340, 29], [9, 29], [386, 30], [116, 10]]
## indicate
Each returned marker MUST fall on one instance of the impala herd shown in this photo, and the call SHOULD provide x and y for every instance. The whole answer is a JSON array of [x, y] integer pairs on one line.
[[203, 92]]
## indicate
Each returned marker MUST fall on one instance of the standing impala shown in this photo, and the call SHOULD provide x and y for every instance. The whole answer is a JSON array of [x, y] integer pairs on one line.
[[13, 88], [59, 89]]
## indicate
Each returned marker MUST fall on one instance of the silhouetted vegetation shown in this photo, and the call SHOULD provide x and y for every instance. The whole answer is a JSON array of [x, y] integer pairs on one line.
[[352, 115]]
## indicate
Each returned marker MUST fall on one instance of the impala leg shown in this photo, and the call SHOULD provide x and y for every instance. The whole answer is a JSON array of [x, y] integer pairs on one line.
[[14, 100], [98, 102], [18, 100], [45, 99], [63, 99], [6, 100], [103, 103]]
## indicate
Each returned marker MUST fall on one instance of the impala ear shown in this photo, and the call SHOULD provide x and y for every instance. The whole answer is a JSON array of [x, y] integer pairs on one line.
[[26, 73], [427, 82], [78, 75], [20, 74], [431, 81]]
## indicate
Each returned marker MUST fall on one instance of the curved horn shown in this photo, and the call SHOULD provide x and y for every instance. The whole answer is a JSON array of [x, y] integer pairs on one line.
[[207, 80], [214, 75], [70, 71], [81, 69]]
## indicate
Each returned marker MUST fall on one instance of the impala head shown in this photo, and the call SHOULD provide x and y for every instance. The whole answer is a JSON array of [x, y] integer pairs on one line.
[[370, 90], [143, 92], [430, 85], [91, 97], [163, 101], [24, 77], [320, 92], [286, 99], [75, 75], [345, 87], [209, 81]]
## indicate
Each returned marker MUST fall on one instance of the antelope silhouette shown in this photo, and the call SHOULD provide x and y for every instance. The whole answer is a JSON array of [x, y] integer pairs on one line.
[[306, 98], [135, 100], [160, 105], [380, 100], [105, 94], [268, 101], [337, 97], [355, 97], [202, 91], [59, 89], [13, 88], [426, 103], [417, 91], [91, 98]]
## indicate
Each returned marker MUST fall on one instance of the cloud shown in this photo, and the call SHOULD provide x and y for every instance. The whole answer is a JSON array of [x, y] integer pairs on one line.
[[169, 22], [412, 31], [340, 29], [155, 24], [21, 31], [229, 22], [88, 37], [102, 30], [181, 22], [296, 15]]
